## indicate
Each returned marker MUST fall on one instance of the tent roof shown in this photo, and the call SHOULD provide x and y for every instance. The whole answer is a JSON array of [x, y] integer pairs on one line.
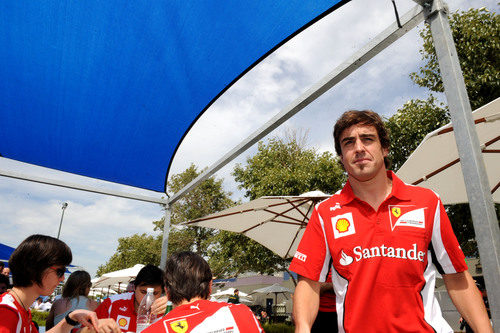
[[108, 89]]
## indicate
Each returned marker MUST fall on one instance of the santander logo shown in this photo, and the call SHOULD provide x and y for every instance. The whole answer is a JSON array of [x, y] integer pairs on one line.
[[361, 253], [345, 260]]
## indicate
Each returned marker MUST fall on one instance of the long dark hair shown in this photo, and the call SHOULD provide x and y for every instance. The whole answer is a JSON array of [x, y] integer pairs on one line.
[[77, 285]]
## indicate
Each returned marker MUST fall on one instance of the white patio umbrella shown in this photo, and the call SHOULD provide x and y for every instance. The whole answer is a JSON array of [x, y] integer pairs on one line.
[[273, 289], [223, 295], [276, 222], [118, 278], [435, 163]]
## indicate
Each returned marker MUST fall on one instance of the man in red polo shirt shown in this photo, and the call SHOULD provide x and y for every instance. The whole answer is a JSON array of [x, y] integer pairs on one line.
[[385, 242]]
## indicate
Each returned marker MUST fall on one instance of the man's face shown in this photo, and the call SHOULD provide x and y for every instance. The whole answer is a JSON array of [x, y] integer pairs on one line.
[[141, 291], [362, 153], [6, 271]]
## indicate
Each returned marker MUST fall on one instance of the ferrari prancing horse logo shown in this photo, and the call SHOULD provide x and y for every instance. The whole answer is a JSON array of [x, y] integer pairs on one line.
[[396, 211], [179, 326]]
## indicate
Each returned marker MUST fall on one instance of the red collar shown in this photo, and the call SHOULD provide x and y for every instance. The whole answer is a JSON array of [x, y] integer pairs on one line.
[[399, 190]]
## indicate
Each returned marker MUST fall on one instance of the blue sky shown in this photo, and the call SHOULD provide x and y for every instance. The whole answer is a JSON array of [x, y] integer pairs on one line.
[[93, 223]]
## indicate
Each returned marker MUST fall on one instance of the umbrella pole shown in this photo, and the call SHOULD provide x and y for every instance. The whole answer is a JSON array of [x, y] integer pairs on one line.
[[119, 290]]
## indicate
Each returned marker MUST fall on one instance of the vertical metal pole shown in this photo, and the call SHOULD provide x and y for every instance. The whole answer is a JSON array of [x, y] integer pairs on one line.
[[166, 232], [478, 190], [64, 205]]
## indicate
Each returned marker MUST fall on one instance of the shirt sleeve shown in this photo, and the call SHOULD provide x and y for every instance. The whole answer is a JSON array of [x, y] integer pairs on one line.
[[245, 319], [102, 310], [312, 257], [9, 321], [447, 254]]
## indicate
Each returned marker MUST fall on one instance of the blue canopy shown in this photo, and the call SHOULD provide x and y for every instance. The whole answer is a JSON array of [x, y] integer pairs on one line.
[[108, 89], [5, 252]]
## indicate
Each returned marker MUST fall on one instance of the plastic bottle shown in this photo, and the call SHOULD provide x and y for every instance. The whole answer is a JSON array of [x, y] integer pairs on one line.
[[169, 307], [144, 316]]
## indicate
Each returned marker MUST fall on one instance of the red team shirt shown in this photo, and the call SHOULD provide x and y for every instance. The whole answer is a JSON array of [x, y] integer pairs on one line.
[[121, 309], [384, 262], [13, 317], [204, 316]]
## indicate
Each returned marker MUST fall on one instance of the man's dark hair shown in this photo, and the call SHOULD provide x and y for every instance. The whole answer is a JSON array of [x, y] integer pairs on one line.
[[2, 265], [149, 275], [34, 255], [364, 117], [187, 275], [76, 285], [4, 279]]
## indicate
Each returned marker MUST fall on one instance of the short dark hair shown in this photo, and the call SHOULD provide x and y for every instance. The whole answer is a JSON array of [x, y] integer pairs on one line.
[[2, 264], [187, 275], [34, 255], [76, 285], [364, 117], [4, 279], [149, 275]]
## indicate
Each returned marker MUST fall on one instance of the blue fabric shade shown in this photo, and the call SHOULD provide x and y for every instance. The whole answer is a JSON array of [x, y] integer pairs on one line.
[[108, 89]]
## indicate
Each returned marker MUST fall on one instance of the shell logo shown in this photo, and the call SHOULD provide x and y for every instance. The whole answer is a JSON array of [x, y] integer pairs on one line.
[[342, 225], [122, 322]]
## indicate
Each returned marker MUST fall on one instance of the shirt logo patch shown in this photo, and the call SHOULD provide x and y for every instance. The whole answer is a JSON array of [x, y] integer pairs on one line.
[[337, 206], [343, 225], [123, 322], [396, 211], [345, 259], [179, 326], [300, 256], [413, 218], [123, 308]]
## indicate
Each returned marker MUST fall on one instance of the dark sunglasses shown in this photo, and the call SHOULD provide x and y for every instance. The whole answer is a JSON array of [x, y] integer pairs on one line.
[[59, 271]]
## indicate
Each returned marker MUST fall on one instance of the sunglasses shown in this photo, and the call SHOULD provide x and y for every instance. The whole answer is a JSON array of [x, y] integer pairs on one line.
[[59, 271]]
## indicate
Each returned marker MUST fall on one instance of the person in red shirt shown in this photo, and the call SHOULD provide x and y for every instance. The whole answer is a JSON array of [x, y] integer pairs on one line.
[[188, 284], [385, 241], [37, 266], [123, 307]]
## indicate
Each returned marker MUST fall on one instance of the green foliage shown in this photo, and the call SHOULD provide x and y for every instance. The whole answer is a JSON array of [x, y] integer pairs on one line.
[[278, 328], [410, 124], [477, 38], [207, 198], [136, 249], [39, 317], [285, 167]]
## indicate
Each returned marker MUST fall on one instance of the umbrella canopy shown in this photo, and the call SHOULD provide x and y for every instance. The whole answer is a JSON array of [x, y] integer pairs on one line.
[[122, 276], [274, 288], [223, 295], [108, 89], [5, 252], [435, 163], [276, 222]]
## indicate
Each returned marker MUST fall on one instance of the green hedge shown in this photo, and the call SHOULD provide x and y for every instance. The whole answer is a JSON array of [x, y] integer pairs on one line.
[[39, 317], [278, 328]]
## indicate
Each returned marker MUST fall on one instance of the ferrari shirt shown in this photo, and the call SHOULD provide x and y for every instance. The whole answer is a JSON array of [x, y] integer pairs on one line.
[[384, 262], [204, 316], [121, 308], [13, 317]]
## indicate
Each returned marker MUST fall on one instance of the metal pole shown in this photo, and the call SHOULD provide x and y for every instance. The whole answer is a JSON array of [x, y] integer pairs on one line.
[[64, 205], [476, 183], [166, 232]]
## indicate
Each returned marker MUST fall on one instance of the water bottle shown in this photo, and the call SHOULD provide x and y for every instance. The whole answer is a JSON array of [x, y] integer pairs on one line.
[[144, 316]]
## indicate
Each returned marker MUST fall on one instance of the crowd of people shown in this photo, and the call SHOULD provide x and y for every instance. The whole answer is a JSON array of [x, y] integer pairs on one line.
[[375, 245]]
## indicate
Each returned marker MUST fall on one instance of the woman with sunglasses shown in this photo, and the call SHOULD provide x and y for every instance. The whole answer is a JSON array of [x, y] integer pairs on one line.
[[74, 296], [37, 266]]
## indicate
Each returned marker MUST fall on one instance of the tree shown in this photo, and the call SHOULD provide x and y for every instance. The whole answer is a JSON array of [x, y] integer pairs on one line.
[[207, 198], [136, 249], [410, 124], [476, 33], [286, 167]]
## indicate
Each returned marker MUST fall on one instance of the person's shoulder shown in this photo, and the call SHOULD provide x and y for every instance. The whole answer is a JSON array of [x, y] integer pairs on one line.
[[159, 326]]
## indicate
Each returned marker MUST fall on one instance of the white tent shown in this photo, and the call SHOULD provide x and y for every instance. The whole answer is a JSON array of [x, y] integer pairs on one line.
[[121, 277], [223, 295]]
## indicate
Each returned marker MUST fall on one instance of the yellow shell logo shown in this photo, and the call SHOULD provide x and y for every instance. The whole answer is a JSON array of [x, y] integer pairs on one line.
[[122, 322], [396, 211], [342, 225], [179, 326]]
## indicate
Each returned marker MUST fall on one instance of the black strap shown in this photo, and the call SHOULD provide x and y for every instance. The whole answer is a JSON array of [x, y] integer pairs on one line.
[[70, 321], [397, 15]]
